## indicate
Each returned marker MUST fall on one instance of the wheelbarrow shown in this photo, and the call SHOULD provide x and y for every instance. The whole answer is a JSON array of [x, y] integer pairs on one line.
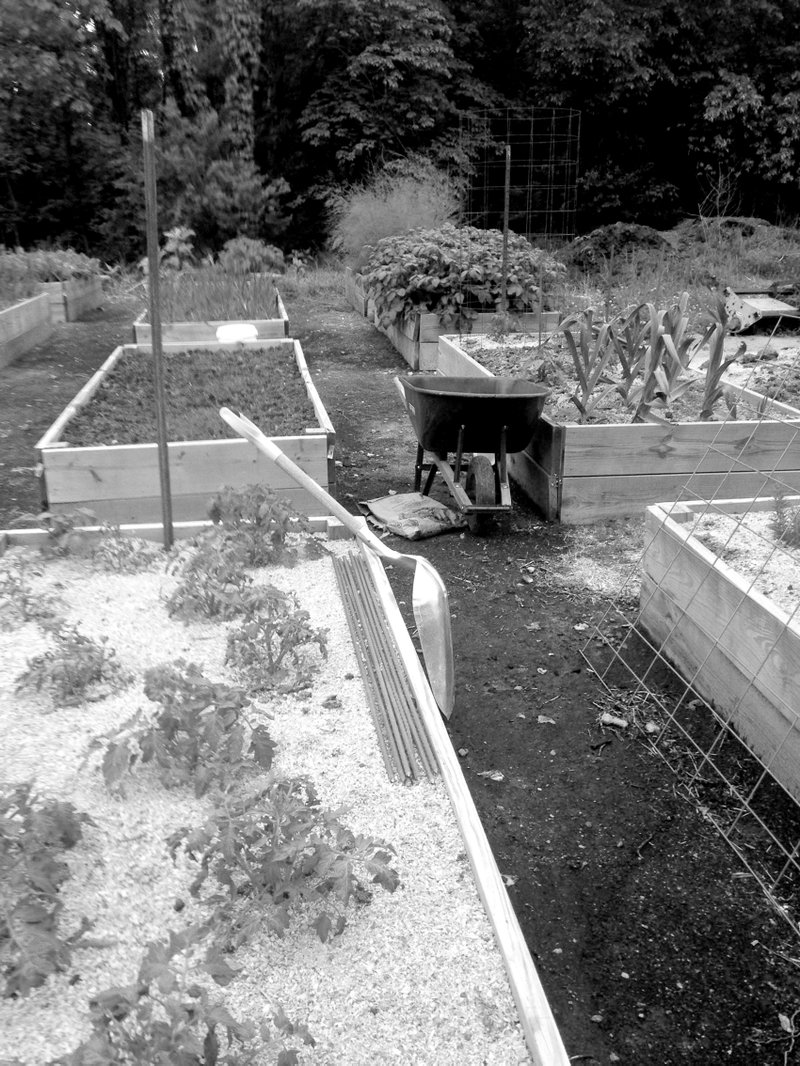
[[494, 415]]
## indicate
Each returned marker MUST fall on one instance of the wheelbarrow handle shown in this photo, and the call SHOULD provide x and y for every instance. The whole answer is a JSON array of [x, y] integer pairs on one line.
[[247, 429]]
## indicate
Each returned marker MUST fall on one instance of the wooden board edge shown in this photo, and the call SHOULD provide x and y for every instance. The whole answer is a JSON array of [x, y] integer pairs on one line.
[[535, 1015], [36, 538]]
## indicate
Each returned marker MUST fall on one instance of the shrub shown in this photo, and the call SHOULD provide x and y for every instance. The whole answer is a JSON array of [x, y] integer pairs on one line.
[[456, 272], [244, 255], [398, 198]]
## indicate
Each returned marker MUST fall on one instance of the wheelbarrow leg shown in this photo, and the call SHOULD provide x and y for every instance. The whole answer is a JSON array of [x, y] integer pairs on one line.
[[418, 468]]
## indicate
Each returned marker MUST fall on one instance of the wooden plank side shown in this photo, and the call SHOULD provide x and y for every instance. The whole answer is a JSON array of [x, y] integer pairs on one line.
[[751, 630], [538, 484], [590, 499], [764, 725], [191, 507], [195, 466], [538, 1024], [456, 363], [206, 332], [23, 326], [428, 355], [409, 349], [682, 448]]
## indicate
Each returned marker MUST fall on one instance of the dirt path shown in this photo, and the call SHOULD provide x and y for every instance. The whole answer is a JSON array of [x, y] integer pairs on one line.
[[652, 947]]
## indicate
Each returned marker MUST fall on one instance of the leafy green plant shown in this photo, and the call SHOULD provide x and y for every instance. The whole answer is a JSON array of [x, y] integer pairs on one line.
[[245, 255], [785, 522], [592, 354], [19, 601], [166, 1015], [257, 522], [34, 833], [717, 321], [456, 272], [275, 849], [200, 735], [65, 535], [212, 582], [75, 669], [178, 248], [119, 553], [269, 646]]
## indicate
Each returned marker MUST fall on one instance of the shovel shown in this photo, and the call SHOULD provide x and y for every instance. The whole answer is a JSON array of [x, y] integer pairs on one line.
[[429, 598]]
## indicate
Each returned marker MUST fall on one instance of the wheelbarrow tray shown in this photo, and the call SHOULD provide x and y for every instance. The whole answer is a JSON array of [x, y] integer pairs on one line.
[[439, 406]]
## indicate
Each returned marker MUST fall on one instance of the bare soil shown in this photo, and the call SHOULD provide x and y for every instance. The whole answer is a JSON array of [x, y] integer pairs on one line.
[[653, 947]]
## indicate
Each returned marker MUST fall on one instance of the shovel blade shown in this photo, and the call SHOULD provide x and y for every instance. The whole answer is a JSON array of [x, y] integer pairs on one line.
[[432, 615]]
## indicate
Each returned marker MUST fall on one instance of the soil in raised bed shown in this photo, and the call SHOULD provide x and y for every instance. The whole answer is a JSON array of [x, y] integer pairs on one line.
[[265, 386], [551, 364]]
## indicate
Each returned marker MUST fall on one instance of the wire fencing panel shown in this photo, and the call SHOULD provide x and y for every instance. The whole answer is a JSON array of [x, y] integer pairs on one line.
[[704, 640], [542, 178]]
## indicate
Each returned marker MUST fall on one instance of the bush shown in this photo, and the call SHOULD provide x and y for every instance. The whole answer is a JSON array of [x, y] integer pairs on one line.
[[244, 255], [399, 198], [456, 272]]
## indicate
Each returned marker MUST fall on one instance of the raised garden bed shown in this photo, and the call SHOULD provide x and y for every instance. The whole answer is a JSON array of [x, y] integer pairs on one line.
[[585, 473], [23, 326], [392, 983], [416, 336], [69, 300], [736, 647], [119, 481], [253, 296]]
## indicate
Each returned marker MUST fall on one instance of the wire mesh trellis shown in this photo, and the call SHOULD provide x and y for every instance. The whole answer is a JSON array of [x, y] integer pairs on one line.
[[710, 653], [541, 182]]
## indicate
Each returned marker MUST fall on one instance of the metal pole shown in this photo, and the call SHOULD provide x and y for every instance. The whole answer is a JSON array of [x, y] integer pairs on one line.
[[151, 206], [506, 209]]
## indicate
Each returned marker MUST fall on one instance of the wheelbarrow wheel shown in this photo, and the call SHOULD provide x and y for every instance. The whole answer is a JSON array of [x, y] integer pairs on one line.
[[480, 488]]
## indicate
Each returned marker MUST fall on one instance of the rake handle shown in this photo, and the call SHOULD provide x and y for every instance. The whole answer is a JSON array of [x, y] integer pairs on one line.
[[246, 429]]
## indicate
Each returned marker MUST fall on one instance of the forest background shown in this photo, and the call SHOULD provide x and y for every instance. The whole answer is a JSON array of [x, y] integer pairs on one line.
[[267, 110]]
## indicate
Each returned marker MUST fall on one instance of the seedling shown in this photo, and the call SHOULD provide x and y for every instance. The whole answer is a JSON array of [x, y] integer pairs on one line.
[[592, 354], [269, 646], [199, 736], [164, 1016], [278, 848], [76, 669], [33, 835], [19, 601]]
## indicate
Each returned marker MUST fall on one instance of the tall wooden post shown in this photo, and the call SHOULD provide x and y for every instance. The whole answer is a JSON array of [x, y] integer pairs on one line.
[[151, 205]]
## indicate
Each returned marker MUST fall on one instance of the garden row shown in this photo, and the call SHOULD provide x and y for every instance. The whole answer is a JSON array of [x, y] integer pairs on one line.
[[214, 893]]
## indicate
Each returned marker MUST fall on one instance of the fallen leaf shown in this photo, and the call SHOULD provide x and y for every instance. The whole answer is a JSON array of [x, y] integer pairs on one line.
[[533, 627], [581, 626], [542, 719], [493, 775], [508, 880], [540, 670]]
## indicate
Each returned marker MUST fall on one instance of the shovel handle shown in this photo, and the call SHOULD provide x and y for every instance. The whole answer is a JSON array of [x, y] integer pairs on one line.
[[247, 429]]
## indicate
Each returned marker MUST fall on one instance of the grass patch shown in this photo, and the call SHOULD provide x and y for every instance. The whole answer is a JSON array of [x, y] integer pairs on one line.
[[264, 383]]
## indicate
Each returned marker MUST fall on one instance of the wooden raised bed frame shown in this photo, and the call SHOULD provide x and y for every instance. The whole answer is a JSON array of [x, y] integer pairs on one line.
[[535, 1015], [416, 336], [23, 326], [73, 298], [575, 473], [202, 332], [120, 483], [735, 647]]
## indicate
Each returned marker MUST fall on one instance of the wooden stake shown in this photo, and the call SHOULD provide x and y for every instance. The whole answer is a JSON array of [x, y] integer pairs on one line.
[[151, 208]]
